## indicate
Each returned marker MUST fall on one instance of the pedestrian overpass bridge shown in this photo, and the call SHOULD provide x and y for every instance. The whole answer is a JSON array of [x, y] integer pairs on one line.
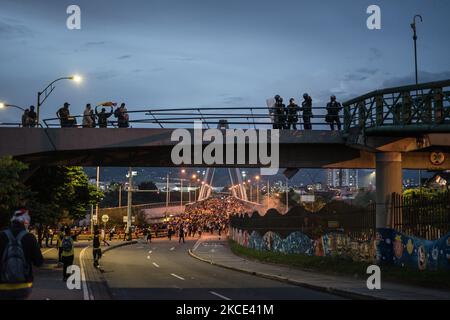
[[389, 130]]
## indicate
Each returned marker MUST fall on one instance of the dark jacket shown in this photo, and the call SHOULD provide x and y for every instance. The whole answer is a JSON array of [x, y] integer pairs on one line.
[[30, 246]]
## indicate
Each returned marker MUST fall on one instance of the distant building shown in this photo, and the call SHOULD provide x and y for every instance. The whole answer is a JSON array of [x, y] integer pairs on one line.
[[439, 180], [337, 178]]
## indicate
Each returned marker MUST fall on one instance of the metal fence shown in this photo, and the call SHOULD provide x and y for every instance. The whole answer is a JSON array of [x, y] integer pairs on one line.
[[423, 216]]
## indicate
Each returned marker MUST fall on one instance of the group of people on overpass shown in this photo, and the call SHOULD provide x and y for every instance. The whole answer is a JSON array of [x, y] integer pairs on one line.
[[287, 117], [93, 117]]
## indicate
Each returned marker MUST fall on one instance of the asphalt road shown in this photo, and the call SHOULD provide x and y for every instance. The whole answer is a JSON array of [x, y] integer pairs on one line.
[[164, 270]]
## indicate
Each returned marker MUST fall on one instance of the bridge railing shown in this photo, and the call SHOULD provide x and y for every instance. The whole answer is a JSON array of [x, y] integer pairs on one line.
[[424, 107], [251, 117]]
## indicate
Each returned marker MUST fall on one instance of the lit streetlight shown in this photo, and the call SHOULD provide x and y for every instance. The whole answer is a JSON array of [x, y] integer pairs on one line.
[[5, 105], [43, 95]]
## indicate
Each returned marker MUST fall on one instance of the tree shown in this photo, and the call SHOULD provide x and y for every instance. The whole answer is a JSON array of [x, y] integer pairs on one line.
[[61, 192], [13, 192]]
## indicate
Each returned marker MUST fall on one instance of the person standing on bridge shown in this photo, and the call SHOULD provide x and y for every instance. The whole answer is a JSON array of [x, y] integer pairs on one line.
[[87, 117], [32, 117], [103, 116], [333, 109], [63, 115], [122, 116], [292, 114], [307, 111]]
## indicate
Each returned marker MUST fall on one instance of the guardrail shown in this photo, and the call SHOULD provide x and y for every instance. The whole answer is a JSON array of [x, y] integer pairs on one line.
[[251, 117], [418, 108]]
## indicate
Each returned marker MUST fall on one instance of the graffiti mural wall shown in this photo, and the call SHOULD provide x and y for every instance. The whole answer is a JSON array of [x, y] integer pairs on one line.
[[297, 242], [411, 252]]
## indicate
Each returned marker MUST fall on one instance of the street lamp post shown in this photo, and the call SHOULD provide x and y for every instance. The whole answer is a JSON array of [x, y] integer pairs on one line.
[[130, 183], [257, 189], [43, 95], [5, 105], [413, 26]]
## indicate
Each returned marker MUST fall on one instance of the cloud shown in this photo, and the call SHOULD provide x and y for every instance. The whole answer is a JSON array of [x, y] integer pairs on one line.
[[94, 43], [424, 76], [103, 75], [367, 71], [14, 31], [126, 56], [355, 77], [233, 100], [375, 54]]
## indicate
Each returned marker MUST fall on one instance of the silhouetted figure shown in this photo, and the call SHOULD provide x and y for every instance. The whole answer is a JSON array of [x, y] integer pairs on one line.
[[279, 119], [307, 111], [122, 116], [26, 118], [292, 114], [103, 116], [64, 116], [87, 117], [32, 115], [333, 109]]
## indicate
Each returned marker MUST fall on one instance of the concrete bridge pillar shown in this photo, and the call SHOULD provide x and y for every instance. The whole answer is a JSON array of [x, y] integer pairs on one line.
[[388, 181]]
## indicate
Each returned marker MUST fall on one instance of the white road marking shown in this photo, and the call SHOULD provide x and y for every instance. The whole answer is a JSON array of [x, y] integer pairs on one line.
[[86, 295], [176, 276], [48, 250], [197, 244], [173, 248], [219, 295], [150, 251], [148, 257], [155, 264]]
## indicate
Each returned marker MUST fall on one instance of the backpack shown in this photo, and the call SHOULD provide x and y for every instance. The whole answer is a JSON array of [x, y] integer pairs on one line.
[[15, 267], [67, 245]]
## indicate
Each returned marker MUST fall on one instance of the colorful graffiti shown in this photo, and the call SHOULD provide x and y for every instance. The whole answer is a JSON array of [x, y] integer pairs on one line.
[[411, 252], [389, 247], [299, 243]]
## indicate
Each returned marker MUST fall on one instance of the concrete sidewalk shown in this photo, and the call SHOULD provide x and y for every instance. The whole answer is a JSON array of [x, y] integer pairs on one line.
[[216, 251], [48, 284]]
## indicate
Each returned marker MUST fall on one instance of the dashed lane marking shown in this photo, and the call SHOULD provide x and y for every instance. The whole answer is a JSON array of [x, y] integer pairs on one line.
[[219, 295], [155, 264], [176, 276]]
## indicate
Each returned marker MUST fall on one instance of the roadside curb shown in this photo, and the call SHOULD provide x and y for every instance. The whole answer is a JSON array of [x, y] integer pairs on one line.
[[99, 275], [340, 292]]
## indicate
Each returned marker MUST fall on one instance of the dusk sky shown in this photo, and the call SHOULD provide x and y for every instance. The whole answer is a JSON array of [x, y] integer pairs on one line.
[[210, 53]]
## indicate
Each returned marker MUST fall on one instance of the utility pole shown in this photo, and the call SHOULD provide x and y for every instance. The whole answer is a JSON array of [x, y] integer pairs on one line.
[[413, 26], [268, 194], [189, 191], [130, 184], [167, 193], [287, 195], [98, 187], [120, 196], [181, 193]]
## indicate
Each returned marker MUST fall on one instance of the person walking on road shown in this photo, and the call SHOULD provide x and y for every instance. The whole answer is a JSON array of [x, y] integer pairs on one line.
[[19, 251], [68, 252], [59, 244], [181, 234], [96, 250]]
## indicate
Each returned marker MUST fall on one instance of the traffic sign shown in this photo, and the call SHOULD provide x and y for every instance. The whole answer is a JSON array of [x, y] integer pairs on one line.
[[125, 219], [105, 218]]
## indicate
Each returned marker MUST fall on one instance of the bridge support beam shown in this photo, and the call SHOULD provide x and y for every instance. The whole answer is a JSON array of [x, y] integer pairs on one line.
[[388, 181]]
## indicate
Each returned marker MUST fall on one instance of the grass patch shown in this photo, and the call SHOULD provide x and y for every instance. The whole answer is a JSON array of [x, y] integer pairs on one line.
[[339, 266]]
